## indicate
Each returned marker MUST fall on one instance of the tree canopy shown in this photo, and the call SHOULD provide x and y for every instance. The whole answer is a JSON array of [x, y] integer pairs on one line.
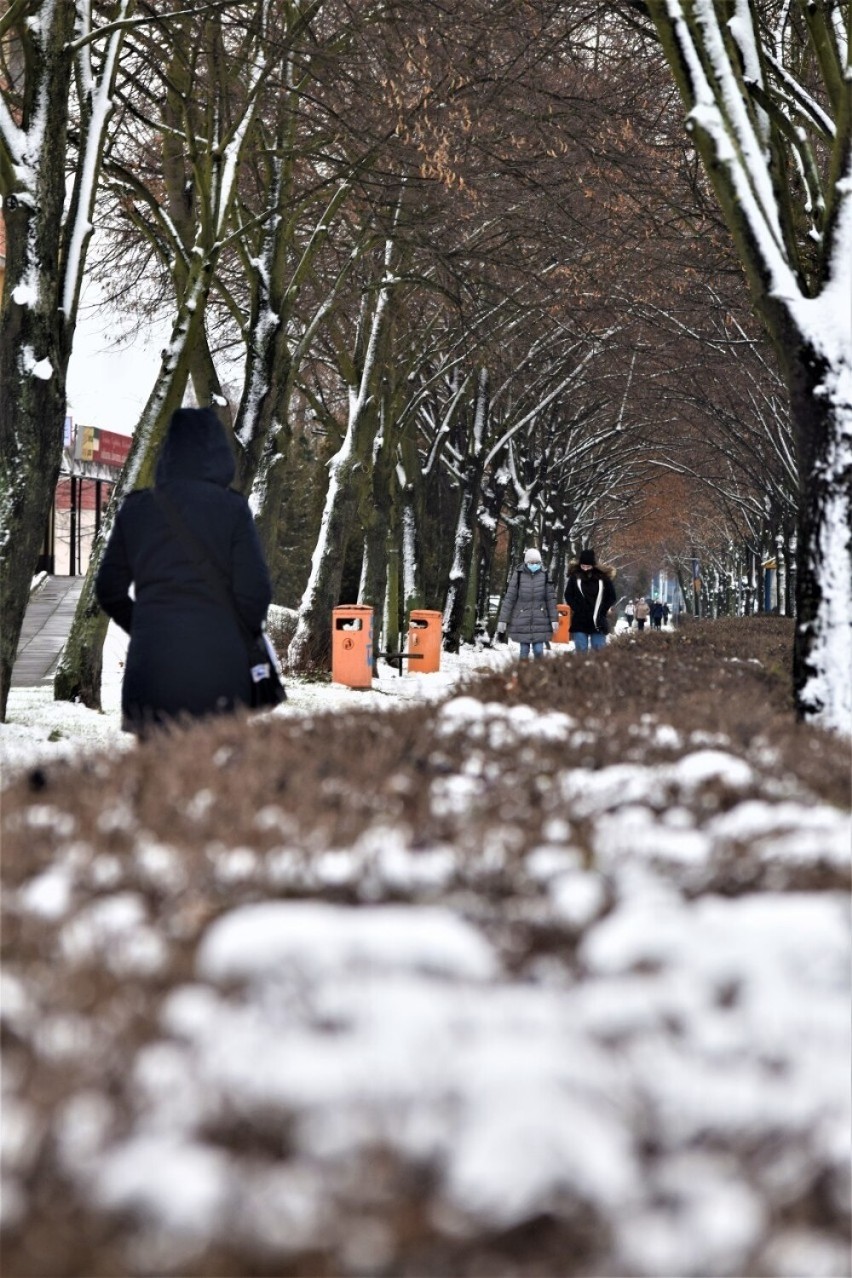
[[460, 268]]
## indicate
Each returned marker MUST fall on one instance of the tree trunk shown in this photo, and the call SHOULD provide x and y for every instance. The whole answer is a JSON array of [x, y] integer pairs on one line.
[[470, 610], [350, 476], [78, 675], [799, 271], [493, 497], [261, 425], [456, 602], [781, 560], [28, 473], [411, 520], [377, 521], [486, 568], [686, 593], [205, 381], [394, 623], [464, 543], [310, 647], [265, 489], [34, 337], [822, 655]]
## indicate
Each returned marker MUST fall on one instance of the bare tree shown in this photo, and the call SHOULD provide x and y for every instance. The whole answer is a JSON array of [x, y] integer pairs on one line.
[[349, 470], [768, 93], [206, 124], [59, 70]]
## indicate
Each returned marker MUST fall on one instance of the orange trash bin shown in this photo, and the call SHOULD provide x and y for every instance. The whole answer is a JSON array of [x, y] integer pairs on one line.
[[562, 633], [352, 645], [424, 637]]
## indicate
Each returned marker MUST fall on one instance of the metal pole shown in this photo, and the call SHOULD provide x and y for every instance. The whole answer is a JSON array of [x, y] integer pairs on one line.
[[51, 538], [80, 524], [72, 547]]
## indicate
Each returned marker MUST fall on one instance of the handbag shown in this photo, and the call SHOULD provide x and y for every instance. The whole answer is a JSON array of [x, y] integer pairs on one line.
[[267, 681], [267, 684]]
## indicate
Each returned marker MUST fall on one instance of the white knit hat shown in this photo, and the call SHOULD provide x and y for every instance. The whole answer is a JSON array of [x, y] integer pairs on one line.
[[532, 556]]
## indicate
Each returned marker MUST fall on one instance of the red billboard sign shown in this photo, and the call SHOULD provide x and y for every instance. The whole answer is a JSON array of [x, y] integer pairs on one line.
[[104, 446]]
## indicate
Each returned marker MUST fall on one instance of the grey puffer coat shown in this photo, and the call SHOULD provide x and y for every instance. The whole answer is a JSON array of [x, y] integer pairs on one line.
[[529, 608]]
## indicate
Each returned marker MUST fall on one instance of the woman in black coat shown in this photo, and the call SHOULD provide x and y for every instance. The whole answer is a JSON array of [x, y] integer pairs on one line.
[[590, 593], [187, 654]]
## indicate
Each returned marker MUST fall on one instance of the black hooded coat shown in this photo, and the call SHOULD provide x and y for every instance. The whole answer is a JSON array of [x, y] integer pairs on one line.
[[590, 594], [187, 654]]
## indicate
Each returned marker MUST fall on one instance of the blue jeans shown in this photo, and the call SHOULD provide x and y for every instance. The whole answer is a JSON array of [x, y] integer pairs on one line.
[[537, 650], [583, 641]]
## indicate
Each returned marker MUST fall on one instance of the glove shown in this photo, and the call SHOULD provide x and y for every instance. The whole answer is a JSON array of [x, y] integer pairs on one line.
[[502, 637]]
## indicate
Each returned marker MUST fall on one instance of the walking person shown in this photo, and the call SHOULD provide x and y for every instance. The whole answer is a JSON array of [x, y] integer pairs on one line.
[[657, 614], [628, 613], [528, 613], [590, 593], [190, 549], [642, 612]]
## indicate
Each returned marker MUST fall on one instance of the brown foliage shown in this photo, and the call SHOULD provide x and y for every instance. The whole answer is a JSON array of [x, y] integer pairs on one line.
[[233, 793], [333, 775]]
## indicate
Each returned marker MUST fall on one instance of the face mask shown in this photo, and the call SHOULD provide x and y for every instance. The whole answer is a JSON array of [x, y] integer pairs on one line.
[[534, 567]]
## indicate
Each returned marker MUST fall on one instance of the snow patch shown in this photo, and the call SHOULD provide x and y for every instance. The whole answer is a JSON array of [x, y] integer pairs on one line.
[[314, 938]]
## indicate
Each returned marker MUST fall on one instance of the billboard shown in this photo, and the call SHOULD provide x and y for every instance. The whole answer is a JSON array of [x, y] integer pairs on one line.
[[104, 446]]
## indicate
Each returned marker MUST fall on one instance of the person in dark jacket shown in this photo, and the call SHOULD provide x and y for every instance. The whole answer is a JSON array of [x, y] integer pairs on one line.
[[187, 654], [589, 593], [528, 612]]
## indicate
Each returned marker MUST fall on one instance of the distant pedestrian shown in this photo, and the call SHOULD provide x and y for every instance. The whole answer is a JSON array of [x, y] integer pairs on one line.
[[657, 614], [665, 614], [528, 613], [590, 593], [628, 613], [188, 654], [642, 612]]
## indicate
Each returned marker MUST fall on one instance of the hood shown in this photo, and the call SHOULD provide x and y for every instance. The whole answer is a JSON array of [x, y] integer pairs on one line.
[[602, 569], [196, 447]]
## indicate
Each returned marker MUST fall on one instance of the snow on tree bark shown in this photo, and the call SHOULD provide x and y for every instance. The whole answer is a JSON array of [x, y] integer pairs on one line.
[[753, 124], [349, 470], [48, 229], [464, 541], [197, 248], [274, 352]]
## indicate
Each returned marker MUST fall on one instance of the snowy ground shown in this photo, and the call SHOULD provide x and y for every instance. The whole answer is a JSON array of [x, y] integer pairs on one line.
[[536, 1019], [39, 729]]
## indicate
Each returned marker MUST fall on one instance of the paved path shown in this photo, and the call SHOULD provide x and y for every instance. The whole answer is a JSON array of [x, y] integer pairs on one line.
[[46, 626]]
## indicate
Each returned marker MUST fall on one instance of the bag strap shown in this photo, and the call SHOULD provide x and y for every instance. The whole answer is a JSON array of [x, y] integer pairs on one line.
[[201, 558]]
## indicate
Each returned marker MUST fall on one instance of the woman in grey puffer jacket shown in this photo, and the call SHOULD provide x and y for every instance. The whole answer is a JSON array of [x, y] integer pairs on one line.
[[529, 608]]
